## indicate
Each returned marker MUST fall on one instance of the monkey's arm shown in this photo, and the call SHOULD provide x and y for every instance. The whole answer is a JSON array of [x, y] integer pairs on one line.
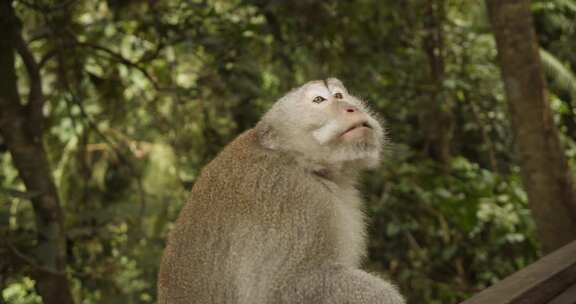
[[338, 284]]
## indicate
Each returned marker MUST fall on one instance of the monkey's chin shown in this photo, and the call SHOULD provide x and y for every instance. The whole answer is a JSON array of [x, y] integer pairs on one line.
[[360, 152]]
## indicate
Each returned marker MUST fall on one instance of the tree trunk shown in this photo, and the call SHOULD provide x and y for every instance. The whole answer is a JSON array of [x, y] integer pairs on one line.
[[437, 117], [545, 171], [21, 128]]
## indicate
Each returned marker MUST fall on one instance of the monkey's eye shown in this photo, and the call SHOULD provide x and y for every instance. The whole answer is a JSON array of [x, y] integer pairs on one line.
[[318, 99], [338, 96]]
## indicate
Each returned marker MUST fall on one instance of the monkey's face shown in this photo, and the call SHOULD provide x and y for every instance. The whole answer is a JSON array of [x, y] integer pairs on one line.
[[322, 121], [335, 117]]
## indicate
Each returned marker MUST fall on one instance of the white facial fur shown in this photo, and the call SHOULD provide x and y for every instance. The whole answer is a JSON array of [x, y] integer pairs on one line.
[[317, 131]]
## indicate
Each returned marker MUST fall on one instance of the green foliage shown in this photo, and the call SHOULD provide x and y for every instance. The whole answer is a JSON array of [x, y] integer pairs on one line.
[[21, 292], [563, 76], [459, 232], [142, 94]]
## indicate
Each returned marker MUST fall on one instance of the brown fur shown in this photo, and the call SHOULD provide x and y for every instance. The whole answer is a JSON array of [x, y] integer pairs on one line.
[[261, 227]]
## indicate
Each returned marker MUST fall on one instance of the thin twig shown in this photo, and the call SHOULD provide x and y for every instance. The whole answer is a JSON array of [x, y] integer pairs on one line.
[[30, 261], [120, 58], [47, 56], [47, 8], [20, 194], [118, 152]]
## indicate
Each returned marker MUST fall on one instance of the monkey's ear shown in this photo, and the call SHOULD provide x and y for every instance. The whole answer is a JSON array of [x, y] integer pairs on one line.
[[267, 136]]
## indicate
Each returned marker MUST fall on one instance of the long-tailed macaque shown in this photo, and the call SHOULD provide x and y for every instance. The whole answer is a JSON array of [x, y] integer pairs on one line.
[[275, 217]]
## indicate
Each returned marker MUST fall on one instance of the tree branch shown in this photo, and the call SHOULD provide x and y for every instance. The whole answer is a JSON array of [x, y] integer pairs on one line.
[[30, 159], [47, 8], [49, 55], [123, 60], [35, 97], [115, 147], [29, 260], [19, 194]]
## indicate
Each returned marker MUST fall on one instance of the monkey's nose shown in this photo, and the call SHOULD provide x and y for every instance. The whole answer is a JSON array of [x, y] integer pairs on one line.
[[350, 109]]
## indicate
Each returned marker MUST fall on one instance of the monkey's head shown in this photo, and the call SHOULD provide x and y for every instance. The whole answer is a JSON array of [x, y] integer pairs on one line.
[[322, 123]]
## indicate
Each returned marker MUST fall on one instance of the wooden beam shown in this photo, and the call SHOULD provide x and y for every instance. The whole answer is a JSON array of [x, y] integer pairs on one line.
[[567, 297], [538, 283]]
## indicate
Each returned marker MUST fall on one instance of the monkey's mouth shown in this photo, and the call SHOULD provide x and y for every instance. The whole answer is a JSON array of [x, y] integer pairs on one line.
[[362, 124], [357, 128]]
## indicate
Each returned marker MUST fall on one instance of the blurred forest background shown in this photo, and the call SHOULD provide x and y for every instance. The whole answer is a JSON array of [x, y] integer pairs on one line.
[[110, 108]]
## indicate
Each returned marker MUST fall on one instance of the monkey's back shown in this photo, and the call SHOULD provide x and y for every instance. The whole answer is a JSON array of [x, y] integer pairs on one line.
[[245, 231]]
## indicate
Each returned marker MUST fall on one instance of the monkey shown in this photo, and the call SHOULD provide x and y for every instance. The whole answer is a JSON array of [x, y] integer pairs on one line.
[[276, 217]]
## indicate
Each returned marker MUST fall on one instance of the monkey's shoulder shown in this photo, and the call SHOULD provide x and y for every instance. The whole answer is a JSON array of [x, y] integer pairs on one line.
[[246, 157], [245, 172]]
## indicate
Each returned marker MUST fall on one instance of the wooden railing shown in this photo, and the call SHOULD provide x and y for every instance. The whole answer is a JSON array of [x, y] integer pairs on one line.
[[550, 280]]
